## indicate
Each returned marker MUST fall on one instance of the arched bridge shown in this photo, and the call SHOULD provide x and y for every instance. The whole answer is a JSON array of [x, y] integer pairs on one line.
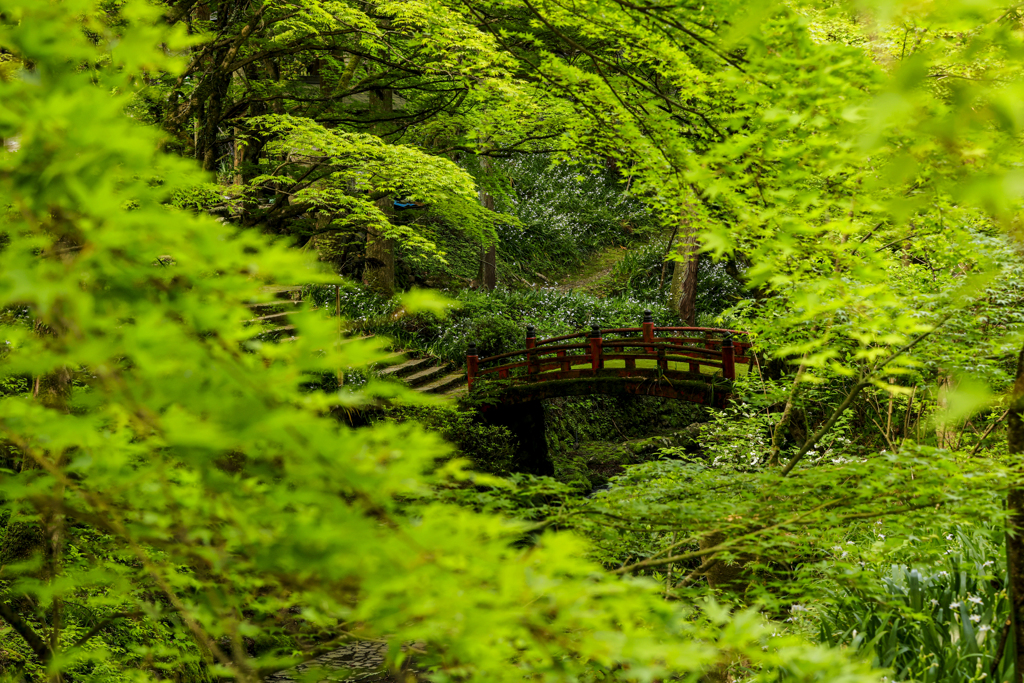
[[696, 364]]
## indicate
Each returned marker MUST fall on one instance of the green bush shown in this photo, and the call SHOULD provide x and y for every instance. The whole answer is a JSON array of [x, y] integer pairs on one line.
[[639, 274], [496, 321], [566, 214], [490, 448]]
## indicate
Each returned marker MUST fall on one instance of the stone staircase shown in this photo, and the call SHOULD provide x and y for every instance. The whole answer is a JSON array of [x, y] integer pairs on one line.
[[427, 375]]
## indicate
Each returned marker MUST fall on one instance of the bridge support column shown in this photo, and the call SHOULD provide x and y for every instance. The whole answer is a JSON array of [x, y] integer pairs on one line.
[[526, 422], [648, 330], [728, 358], [532, 367], [596, 360], [472, 364]]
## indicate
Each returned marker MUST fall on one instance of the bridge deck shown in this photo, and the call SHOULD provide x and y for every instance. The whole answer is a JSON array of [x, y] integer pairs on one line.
[[688, 363]]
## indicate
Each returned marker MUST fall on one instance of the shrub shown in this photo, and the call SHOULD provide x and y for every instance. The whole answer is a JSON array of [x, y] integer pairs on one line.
[[929, 624]]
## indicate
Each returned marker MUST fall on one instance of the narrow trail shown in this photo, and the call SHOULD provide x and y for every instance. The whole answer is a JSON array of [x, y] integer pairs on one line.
[[594, 274]]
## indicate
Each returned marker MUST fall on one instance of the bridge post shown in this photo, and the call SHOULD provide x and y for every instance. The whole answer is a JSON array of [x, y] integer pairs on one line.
[[531, 343], [648, 330], [472, 361], [596, 360], [728, 358]]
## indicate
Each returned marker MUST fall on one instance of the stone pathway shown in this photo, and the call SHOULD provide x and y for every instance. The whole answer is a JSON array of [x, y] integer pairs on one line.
[[360, 662], [593, 274], [426, 375]]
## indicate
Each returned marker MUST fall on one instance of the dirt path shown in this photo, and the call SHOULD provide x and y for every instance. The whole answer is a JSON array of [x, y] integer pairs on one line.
[[594, 274]]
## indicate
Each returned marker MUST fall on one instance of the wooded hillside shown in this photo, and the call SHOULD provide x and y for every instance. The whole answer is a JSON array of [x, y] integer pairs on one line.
[[245, 244]]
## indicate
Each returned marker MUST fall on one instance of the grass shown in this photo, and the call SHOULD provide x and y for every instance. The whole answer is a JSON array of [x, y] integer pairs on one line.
[[593, 277], [741, 368]]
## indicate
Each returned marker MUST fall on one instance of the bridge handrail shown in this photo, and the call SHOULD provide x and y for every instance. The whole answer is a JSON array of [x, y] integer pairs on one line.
[[548, 352], [542, 356]]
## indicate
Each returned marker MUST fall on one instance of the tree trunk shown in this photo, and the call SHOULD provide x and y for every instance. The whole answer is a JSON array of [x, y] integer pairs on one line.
[[684, 278], [24, 540], [943, 433], [487, 275], [721, 575], [379, 272], [1015, 520]]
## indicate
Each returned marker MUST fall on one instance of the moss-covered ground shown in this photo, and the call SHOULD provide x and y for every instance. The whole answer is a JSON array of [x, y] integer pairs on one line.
[[591, 439]]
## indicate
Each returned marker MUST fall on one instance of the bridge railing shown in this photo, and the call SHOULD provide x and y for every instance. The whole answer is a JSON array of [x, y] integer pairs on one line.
[[558, 357]]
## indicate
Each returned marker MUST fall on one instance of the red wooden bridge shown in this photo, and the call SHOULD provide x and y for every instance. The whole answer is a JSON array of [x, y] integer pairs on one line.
[[695, 364]]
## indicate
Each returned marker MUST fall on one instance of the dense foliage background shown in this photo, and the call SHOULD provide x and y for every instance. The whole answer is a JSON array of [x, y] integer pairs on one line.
[[187, 496]]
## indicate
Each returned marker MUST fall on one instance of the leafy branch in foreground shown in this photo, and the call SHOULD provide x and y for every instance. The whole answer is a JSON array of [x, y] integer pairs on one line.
[[186, 477]]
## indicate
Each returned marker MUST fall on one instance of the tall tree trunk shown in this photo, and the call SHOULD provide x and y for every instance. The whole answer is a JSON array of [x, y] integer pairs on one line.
[[24, 540], [1015, 520], [379, 272], [684, 277], [210, 116], [944, 432], [487, 275]]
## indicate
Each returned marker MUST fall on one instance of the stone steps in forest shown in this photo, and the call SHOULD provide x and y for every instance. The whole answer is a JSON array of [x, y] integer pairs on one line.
[[408, 367], [446, 384], [426, 376]]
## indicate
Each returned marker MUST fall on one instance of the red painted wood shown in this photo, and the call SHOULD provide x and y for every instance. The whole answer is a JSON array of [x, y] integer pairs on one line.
[[548, 359], [596, 362], [728, 361], [472, 365]]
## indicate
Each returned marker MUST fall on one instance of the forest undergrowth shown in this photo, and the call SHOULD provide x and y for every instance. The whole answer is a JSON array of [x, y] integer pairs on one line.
[[205, 480]]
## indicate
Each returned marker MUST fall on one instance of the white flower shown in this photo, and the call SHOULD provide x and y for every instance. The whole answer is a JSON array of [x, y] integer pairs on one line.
[[976, 600], [987, 564], [882, 536], [837, 547], [975, 618], [849, 543], [983, 628], [954, 605], [949, 537], [934, 602], [843, 555]]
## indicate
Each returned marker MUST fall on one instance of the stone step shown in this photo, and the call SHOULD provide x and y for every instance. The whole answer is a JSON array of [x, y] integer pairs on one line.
[[408, 367], [275, 330], [391, 360], [425, 376], [275, 302], [272, 316], [446, 383]]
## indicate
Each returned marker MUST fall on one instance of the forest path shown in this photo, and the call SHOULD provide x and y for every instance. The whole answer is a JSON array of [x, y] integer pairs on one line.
[[594, 275]]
